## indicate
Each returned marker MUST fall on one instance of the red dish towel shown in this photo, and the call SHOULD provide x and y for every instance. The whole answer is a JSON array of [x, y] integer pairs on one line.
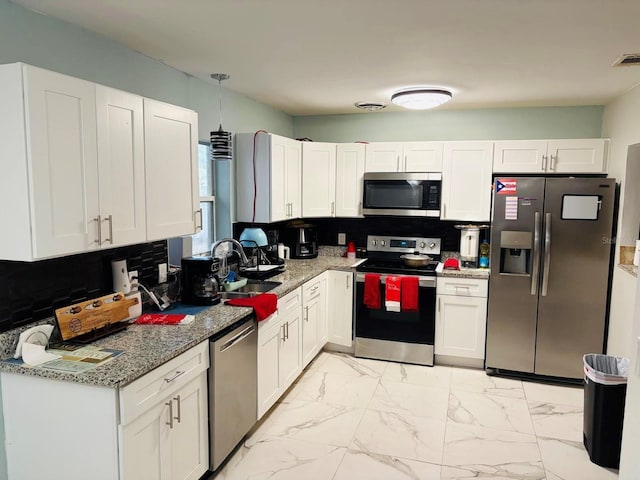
[[372, 290], [264, 304], [392, 293], [409, 294]]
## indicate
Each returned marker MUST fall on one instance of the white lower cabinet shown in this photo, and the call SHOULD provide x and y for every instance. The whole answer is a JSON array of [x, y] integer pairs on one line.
[[155, 428], [279, 350], [461, 318], [340, 307], [314, 315]]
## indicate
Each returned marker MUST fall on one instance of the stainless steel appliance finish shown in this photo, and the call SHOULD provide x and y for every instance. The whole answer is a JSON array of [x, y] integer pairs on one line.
[[397, 336], [233, 389], [402, 194], [550, 253]]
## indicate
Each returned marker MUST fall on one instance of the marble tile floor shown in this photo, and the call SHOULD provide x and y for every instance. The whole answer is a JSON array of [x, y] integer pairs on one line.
[[349, 419]]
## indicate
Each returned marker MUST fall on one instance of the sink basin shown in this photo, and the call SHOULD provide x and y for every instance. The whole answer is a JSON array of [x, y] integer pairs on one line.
[[251, 289]]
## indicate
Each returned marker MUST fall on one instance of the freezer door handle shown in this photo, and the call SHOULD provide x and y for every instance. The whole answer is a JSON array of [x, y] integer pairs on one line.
[[547, 254], [535, 274]]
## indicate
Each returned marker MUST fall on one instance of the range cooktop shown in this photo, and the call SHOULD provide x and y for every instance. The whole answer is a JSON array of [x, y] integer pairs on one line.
[[385, 254]]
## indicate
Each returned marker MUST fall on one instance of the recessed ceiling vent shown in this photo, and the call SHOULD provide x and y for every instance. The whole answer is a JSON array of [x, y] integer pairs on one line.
[[370, 106], [628, 59]]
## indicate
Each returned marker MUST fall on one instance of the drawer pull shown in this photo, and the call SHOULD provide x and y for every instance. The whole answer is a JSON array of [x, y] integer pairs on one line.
[[178, 373]]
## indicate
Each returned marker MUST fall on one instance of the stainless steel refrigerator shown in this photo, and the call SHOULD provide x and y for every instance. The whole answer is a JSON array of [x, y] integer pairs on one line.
[[551, 241]]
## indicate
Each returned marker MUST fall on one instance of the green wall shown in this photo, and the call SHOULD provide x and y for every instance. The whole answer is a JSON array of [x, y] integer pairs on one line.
[[480, 124]]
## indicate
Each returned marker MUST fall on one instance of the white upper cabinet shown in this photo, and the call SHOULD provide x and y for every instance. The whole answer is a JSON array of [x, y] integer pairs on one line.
[[277, 171], [75, 173], [466, 181], [48, 151], [171, 165], [318, 179], [404, 157], [349, 172], [551, 156], [121, 166]]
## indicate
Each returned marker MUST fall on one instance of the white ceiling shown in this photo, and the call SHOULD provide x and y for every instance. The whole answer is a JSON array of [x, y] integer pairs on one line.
[[308, 57]]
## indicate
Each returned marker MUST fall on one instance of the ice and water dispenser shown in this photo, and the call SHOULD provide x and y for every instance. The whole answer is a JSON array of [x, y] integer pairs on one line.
[[515, 252]]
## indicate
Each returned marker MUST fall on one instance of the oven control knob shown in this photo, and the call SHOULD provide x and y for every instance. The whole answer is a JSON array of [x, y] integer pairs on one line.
[[374, 242], [383, 242], [432, 245], [422, 244]]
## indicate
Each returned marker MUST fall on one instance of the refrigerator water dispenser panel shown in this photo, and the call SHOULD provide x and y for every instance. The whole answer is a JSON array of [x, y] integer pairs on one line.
[[515, 252]]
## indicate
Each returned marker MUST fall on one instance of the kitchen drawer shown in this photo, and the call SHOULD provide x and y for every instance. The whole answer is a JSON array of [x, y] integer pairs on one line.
[[290, 302], [465, 287], [311, 289], [142, 394]]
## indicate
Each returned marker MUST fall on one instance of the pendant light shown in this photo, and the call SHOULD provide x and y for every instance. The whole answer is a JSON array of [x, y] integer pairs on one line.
[[221, 144]]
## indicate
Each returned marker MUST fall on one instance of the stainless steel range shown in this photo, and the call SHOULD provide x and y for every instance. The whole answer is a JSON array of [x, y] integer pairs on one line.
[[384, 333]]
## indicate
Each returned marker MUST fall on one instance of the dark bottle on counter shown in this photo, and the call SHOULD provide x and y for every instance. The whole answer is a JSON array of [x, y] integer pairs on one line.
[[484, 255]]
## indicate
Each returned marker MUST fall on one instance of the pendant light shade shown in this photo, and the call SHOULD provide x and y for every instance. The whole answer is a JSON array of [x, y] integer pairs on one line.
[[421, 98], [221, 143]]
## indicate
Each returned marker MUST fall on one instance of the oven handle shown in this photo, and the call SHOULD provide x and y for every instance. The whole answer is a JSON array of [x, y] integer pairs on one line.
[[422, 281]]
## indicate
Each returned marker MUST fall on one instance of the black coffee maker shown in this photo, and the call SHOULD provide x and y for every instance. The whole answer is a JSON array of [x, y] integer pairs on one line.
[[200, 281], [301, 238]]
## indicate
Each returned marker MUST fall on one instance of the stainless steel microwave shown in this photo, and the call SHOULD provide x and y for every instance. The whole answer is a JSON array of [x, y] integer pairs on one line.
[[402, 194]]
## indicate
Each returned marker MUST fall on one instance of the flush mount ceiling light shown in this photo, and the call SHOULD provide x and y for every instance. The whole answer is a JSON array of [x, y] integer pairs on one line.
[[370, 106], [221, 145], [421, 98]]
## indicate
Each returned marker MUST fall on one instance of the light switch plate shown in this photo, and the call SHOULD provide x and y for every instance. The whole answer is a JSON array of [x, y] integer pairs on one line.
[[342, 239]]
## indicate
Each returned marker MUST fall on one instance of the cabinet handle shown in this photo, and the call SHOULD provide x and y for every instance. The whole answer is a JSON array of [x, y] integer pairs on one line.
[[199, 211], [306, 313], [444, 209], [552, 165], [177, 399], [110, 220], [439, 305], [348, 278], [333, 208], [360, 208], [98, 220], [544, 162], [287, 325], [398, 163], [170, 405], [284, 338], [178, 373]]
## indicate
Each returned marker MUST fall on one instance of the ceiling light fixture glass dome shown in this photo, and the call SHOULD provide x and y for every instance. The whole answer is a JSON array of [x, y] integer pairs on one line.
[[421, 98]]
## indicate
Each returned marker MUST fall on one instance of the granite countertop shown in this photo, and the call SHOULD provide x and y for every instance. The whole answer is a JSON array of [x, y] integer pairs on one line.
[[148, 346]]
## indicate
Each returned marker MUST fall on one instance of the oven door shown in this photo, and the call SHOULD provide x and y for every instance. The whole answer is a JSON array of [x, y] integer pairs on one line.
[[398, 336], [402, 194]]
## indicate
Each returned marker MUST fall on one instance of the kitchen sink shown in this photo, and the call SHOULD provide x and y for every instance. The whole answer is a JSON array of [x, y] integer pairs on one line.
[[251, 289]]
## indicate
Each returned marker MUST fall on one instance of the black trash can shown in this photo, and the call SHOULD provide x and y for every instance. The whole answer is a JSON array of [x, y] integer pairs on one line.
[[605, 389]]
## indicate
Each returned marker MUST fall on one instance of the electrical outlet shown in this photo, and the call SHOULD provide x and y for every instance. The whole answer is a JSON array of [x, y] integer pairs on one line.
[[342, 239], [162, 273], [133, 280]]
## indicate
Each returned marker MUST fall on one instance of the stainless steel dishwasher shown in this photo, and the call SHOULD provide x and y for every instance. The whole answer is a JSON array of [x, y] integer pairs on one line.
[[233, 387]]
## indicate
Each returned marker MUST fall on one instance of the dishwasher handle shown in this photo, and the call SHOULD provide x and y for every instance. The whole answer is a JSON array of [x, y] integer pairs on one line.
[[238, 338]]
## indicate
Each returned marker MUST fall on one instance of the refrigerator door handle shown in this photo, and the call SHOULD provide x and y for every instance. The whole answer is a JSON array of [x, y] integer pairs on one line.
[[547, 254], [535, 274]]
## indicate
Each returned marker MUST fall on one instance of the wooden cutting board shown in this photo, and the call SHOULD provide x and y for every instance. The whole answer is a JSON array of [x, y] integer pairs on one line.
[[91, 315]]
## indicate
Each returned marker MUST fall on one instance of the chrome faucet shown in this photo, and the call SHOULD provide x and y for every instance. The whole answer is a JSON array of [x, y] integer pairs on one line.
[[244, 261]]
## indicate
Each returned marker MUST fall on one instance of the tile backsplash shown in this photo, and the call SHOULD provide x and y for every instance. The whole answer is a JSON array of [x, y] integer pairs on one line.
[[30, 291]]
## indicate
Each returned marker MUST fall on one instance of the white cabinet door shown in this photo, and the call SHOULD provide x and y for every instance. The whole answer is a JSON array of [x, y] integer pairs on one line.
[[270, 335], [349, 172], [294, 178], [461, 326], [466, 181], [422, 157], [577, 156], [279, 205], [383, 157], [188, 451], [313, 316], [290, 351], [121, 166], [318, 179], [340, 307], [323, 326], [61, 125], [520, 156], [171, 170]]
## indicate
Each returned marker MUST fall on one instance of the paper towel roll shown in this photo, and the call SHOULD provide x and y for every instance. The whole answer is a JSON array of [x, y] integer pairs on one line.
[[33, 354], [636, 255]]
